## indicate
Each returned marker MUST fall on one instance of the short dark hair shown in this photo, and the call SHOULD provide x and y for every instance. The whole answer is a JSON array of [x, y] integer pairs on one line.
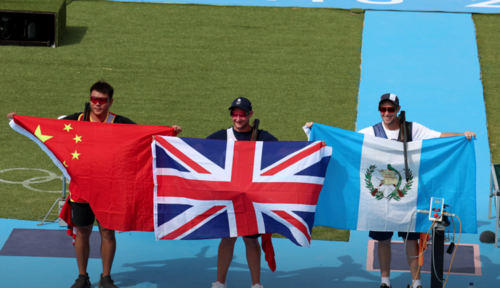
[[103, 87]]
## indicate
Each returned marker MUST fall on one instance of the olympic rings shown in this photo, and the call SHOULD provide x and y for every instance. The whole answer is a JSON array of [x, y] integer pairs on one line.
[[27, 183]]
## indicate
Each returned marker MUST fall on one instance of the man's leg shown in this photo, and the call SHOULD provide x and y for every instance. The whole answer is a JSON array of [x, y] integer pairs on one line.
[[253, 258], [412, 250], [384, 254], [384, 257], [108, 248], [224, 258], [82, 247]]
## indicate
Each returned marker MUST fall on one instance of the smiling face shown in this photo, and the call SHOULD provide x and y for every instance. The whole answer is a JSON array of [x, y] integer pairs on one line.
[[241, 122], [99, 105], [389, 113]]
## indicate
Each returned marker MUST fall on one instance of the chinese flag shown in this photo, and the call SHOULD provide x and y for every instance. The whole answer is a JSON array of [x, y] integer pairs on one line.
[[109, 165]]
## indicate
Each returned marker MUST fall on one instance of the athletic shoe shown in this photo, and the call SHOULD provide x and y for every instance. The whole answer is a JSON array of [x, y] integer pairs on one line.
[[82, 281], [106, 282], [385, 286], [217, 284], [257, 286], [419, 286]]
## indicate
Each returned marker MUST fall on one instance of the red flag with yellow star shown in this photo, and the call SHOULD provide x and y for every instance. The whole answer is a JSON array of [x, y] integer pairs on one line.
[[109, 165]]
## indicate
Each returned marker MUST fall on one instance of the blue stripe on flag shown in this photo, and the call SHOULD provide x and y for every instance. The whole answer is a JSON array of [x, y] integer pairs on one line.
[[215, 151], [273, 225], [342, 183], [273, 151], [217, 227], [438, 164], [316, 169], [165, 161], [167, 212]]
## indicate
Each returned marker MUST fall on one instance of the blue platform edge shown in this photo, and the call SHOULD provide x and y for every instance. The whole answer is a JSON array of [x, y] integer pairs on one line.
[[467, 6], [143, 262]]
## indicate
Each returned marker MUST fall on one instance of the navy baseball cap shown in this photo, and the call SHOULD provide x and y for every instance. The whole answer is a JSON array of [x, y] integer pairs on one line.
[[241, 102], [390, 97]]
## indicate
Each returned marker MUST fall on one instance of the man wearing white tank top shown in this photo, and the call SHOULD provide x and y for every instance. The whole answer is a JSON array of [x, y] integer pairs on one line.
[[389, 128]]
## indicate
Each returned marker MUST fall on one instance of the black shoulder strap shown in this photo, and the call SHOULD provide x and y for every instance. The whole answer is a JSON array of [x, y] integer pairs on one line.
[[379, 130], [409, 131]]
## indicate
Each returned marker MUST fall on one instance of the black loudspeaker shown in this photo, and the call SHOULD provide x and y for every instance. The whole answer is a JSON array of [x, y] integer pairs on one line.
[[27, 28]]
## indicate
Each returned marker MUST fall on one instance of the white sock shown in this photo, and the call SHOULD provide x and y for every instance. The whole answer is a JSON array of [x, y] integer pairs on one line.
[[417, 283], [387, 281]]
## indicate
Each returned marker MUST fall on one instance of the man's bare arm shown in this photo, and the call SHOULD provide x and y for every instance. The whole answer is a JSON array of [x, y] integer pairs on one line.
[[468, 134]]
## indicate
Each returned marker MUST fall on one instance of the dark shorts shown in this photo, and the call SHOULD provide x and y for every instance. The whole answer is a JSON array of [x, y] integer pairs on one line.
[[82, 214], [252, 236], [381, 236]]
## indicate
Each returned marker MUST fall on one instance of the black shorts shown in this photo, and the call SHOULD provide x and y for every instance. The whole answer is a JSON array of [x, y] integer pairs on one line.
[[82, 214], [381, 236], [252, 236]]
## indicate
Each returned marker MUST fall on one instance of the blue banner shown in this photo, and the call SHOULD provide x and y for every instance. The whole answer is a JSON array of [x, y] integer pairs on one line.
[[466, 6]]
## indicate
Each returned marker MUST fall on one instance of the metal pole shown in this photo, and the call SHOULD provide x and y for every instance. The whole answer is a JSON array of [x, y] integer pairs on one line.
[[497, 219], [48, 213], [64, 187], [405, 142], [492, 190], [437, 256]]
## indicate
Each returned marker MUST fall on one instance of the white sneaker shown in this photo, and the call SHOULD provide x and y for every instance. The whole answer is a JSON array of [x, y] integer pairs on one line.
[[217, 284], [257, 286]]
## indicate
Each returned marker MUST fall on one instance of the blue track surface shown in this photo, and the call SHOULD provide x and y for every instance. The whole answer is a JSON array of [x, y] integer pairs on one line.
[[143, 262], [469, 6]]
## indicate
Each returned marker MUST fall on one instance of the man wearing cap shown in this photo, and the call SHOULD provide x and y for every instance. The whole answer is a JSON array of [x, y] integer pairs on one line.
[[389, 128], [241, 112]]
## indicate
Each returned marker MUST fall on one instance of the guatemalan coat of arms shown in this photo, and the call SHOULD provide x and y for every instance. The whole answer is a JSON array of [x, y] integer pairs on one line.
[[389, 184]]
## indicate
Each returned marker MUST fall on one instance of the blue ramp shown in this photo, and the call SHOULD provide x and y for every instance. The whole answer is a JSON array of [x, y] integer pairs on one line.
[[430, 61]]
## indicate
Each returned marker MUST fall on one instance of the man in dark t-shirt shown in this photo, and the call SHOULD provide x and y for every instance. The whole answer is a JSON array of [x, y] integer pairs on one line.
[[241, 112]]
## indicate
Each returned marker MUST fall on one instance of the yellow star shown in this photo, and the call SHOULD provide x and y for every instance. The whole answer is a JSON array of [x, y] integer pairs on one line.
[[38, 133], [67, 127], [64, 163], [75, 155], [78, 139]]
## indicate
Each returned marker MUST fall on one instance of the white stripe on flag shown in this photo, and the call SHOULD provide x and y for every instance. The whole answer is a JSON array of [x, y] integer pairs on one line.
[[387, 214]]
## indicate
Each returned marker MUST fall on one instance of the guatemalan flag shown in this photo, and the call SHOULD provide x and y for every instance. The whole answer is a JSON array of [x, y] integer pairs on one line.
[[366, 187], [215, 189]]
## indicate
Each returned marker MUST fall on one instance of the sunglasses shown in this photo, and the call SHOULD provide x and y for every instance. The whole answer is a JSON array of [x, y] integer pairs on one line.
[[241, 114], [96, 100], [387, 109]]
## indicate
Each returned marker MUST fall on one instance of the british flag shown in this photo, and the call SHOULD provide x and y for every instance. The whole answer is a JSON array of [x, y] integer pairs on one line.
[[215, 189]]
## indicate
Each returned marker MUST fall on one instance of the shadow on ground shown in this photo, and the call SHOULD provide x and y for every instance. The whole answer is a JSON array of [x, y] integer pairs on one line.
[[201, 271]]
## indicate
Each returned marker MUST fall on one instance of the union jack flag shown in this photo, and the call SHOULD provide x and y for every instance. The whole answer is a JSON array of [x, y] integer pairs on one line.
[[215, 189]]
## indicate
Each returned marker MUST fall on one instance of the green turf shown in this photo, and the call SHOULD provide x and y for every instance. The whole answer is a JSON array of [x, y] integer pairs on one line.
[[32, 5], [180, 64], [488, 39]]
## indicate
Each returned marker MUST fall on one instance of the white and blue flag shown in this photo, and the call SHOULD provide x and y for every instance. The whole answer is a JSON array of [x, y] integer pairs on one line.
[[366, 187]]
